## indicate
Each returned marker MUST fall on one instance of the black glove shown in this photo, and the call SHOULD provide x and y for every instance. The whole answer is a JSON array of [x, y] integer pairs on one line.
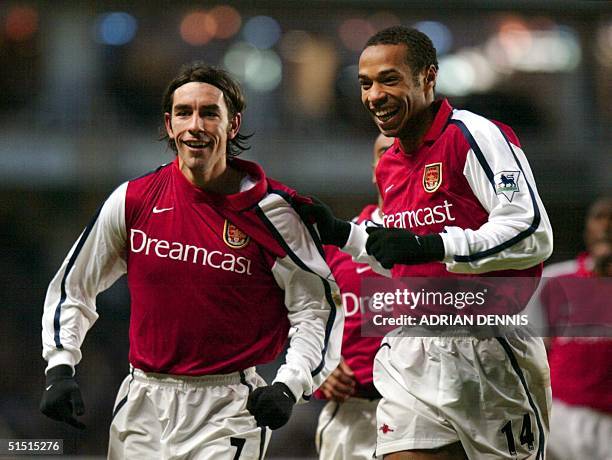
[[332, 230], [272, 405], [392, 246], [62, 397]]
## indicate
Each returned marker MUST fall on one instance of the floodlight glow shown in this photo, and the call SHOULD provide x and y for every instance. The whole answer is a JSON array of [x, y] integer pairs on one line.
[[198, 28], [262, 32], [456, 76], [115, 29], [228, 21], [440, 35], [21, 23], [260, 70]]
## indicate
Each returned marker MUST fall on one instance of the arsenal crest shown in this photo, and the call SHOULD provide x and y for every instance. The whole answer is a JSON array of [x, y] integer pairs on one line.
[[432, 177], [233, 236]]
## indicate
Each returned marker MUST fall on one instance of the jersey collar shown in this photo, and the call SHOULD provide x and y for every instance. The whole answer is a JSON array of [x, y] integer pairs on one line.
[[443, 113], [236, 201]]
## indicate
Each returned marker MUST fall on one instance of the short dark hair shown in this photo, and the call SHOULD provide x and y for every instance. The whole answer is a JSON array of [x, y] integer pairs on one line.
[[421, 52], [198, 71]]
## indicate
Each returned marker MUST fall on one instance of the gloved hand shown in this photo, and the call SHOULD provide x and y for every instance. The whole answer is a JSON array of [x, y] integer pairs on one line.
[[271, 405], [392, 246], [62, 397], [332, 230]]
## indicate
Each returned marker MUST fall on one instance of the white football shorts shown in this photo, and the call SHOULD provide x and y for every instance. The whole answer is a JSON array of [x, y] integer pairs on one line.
[[347, 431], [493, 395], [177, 417]]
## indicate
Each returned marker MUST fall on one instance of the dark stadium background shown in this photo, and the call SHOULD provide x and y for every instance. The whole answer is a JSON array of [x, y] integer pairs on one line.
[[80, 90]]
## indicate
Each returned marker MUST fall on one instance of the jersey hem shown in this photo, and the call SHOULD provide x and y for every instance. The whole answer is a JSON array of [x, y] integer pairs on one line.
[[411, 444]]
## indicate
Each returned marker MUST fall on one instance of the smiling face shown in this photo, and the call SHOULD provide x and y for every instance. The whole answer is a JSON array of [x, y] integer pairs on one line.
[[200, 126], [390, 91]]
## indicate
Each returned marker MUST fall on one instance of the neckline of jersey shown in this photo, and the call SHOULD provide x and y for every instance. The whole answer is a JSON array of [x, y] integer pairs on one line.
[[443, 113], [235, 201]]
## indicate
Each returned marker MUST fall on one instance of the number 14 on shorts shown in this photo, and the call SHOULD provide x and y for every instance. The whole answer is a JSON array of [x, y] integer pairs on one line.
[[526, 436]]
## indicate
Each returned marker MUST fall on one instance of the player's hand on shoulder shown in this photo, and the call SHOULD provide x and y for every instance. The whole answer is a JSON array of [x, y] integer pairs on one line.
[[340, 384], [271, 405], [392, 246], [62, 400], [332, 230]]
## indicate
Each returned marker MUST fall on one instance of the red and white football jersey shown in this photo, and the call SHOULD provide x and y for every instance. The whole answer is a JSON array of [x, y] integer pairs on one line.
[[469, 181], [216, 281], [580, 367]]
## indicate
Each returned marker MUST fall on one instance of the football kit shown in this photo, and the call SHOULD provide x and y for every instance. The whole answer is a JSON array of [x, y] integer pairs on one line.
[[216, 282], [470, 182]]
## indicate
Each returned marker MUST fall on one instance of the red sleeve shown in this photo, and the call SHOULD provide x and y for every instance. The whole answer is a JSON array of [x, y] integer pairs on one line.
[[508, 132]]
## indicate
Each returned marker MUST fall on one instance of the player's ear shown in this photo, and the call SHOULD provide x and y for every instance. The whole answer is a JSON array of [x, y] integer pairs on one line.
[[430, 77], [168, 124], [234, 125]]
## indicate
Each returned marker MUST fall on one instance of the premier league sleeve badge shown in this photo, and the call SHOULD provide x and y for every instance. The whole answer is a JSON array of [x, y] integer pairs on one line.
[[506, 183]]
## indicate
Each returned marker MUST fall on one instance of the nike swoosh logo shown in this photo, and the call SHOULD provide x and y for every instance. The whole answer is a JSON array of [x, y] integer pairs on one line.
[[48, 388], [157, 210], [389, 187], [360, 270]]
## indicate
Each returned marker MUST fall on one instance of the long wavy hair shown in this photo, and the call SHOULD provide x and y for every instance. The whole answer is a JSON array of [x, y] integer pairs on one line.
[[232, 92]]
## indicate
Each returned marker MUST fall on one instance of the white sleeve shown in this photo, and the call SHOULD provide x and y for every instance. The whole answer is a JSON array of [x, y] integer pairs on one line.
[[94, 263], [312, 299], [517, 234], [356, 247]]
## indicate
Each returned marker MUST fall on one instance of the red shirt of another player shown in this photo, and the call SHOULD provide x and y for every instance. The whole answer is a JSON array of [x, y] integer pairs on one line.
[[357, 351], [580, 367]]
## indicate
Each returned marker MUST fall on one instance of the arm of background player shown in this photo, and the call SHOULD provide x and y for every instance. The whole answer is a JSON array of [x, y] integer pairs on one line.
[[356, 247], [340, 384], [518, 234], [93, 264], [310, 297]]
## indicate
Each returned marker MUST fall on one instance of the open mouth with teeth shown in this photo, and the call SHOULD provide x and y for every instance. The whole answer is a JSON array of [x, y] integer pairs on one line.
[[197, 144], [386, 114]]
